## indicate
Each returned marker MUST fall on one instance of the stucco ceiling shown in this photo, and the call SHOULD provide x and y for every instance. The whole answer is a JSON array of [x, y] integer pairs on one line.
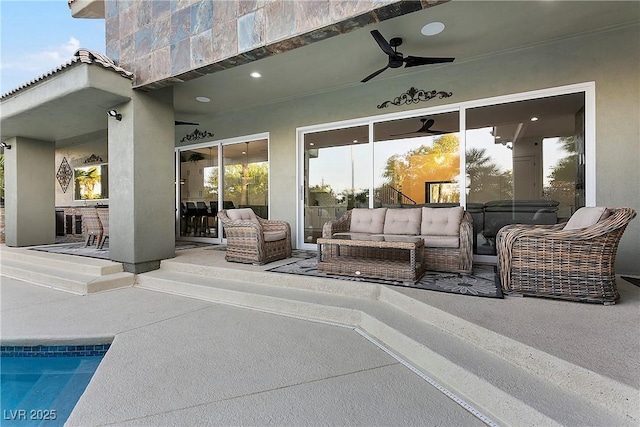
[[474, 29]]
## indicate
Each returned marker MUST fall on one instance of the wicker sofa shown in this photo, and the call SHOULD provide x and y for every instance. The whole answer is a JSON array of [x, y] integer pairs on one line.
[[573, 260], [254, 240], [447, 232]]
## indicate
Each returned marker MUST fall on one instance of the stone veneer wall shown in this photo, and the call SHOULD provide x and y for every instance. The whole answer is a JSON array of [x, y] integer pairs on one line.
[[166, 41]]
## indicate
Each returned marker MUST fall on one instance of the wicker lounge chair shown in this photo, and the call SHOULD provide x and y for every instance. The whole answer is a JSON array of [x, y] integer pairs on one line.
[[91, 226], [253, 240], [560, 261]]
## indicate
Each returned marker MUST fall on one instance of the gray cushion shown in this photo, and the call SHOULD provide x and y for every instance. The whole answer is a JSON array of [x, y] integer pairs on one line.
[[367, 220], [358, 236], [441, 241], [441, 221], [586, 217], [402, 221]]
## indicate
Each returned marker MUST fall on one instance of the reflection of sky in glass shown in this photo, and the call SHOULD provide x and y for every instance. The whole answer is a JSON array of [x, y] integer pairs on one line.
[[333, 167], [499, 153], [552, 153]]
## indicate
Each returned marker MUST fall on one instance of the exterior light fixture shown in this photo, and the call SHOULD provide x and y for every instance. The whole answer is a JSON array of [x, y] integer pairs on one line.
[[255, 75], [5, 145], [114, 114], [534, 119], [203, 99]]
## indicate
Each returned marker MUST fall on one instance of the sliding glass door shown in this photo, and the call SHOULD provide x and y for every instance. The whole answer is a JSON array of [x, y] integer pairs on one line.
[[515, 159], [222, 175], [337, 174], [198, 192]]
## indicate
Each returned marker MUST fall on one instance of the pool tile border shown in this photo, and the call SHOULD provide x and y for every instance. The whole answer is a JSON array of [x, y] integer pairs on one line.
[[54, 350]]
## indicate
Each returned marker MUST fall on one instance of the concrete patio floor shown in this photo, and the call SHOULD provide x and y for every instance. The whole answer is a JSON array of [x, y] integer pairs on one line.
[[237, 345]]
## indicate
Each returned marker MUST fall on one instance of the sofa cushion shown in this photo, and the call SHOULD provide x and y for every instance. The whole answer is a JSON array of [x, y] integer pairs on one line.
[[358, 236], [441, 241], [402, 221], [441, 221], [365, 220], [586, 217]]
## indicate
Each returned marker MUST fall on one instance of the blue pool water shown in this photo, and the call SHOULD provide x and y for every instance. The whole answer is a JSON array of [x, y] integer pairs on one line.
[[42, 384]]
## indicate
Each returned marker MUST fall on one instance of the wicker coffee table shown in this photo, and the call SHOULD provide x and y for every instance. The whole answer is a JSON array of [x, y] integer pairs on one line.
[[392, 258]]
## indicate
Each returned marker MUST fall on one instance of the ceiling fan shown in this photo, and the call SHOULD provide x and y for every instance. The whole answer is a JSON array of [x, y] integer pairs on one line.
[[396, 59], [179, 123], [425, 128]]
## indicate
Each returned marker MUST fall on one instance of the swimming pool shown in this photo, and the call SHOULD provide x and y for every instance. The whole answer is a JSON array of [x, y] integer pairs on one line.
[[42, 384]]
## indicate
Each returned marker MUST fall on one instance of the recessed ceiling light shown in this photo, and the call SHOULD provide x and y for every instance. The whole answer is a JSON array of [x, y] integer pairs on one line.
[[534, 119], [432, 28], [202, 99], [311, 144], [255, 75]]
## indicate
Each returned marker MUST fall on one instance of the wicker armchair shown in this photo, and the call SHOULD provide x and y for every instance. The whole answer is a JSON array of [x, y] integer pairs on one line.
[[253, 240], [91, 226], [572, 264]]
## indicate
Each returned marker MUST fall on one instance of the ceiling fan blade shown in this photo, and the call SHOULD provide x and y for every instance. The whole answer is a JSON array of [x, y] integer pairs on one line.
[[369, 77], [383, 43], [424, 129], [414, 61], [426, 124], [179, 123]]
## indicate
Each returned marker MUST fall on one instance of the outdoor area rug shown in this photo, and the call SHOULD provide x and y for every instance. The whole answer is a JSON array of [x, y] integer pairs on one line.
[[483, 282], [632, 280], [77, 248]]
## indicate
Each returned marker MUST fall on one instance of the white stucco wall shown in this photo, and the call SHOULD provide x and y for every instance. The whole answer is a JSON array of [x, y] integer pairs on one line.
[[610, 59]]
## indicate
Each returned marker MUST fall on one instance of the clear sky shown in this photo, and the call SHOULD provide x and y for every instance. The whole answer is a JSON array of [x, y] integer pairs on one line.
[[36, 36]]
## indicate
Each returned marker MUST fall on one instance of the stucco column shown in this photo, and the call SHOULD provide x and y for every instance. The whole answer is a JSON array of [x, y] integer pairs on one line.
[[141, 184], [29, 167]]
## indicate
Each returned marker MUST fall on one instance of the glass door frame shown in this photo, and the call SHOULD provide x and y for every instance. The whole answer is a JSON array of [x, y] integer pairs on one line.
[[588, 88], [220, 144]]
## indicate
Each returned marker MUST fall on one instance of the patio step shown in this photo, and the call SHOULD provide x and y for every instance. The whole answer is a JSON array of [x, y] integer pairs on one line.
[[508, 381], [70, 273]]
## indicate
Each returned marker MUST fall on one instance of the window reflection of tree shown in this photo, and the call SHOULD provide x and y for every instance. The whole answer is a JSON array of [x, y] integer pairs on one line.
[[408, 172], [563, 176], [486, 179]]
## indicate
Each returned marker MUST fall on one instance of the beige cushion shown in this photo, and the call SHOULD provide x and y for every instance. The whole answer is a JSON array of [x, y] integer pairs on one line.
[[402, 221], [441, 221], [273, 236], [241, 214], [367, 220], [359, 236], [396, 237], [586, 217], [441, 241]]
